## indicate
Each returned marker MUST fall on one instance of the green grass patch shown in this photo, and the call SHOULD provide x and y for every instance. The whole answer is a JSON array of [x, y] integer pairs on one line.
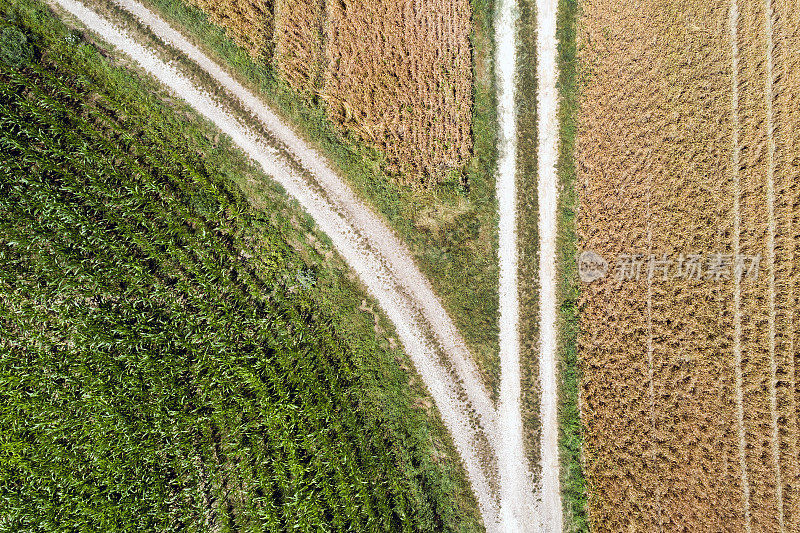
[[573, 483], [528, 226]]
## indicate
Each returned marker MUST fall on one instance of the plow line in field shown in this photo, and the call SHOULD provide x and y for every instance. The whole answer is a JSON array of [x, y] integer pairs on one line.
[[773, 396]]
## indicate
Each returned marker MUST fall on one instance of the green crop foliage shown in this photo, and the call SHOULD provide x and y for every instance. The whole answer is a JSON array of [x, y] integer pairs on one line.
[[167, 361], [14, 46]]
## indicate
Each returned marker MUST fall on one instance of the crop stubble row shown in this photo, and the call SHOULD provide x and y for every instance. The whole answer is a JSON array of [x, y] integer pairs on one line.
[[654, 167], [786, 89], [754, 225]]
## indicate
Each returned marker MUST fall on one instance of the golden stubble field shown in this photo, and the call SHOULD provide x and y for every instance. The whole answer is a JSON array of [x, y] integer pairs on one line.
[[689, 393], [396, 75], [400, 74]]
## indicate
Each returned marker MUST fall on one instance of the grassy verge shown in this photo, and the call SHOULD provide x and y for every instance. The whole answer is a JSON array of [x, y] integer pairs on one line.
[[449, 228], [573, 484], [180, 356], [528, 233]]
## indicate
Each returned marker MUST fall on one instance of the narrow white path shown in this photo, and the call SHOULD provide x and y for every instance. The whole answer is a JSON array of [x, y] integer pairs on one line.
[[547, 107], [733, 25], [370, 266], [517, 496]]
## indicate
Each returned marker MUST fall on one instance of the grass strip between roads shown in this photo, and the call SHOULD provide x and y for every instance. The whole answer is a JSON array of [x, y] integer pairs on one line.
[[573, 484]]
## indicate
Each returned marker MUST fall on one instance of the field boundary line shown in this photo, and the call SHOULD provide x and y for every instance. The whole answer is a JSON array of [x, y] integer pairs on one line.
[[773, 397], [733, 22]]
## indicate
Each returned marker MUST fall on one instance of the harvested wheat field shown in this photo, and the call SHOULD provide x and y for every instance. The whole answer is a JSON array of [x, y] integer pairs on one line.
[[395, 75], [399, 74], [688, 166]]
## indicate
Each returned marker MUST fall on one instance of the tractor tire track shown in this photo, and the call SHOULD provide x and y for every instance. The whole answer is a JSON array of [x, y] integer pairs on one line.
[[517, 507], [547, 105], [773, 396]]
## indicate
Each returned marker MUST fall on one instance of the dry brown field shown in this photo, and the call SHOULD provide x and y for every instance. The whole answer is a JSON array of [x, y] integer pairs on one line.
[[689, 393], [249, 24], [400, 75], [396, 75]]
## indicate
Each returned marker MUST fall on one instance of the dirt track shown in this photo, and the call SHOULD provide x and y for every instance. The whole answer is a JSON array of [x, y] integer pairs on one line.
[[548, 129], [381, 261]]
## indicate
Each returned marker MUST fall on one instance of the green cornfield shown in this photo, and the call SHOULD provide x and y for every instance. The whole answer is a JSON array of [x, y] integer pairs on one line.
[[165, 363]]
